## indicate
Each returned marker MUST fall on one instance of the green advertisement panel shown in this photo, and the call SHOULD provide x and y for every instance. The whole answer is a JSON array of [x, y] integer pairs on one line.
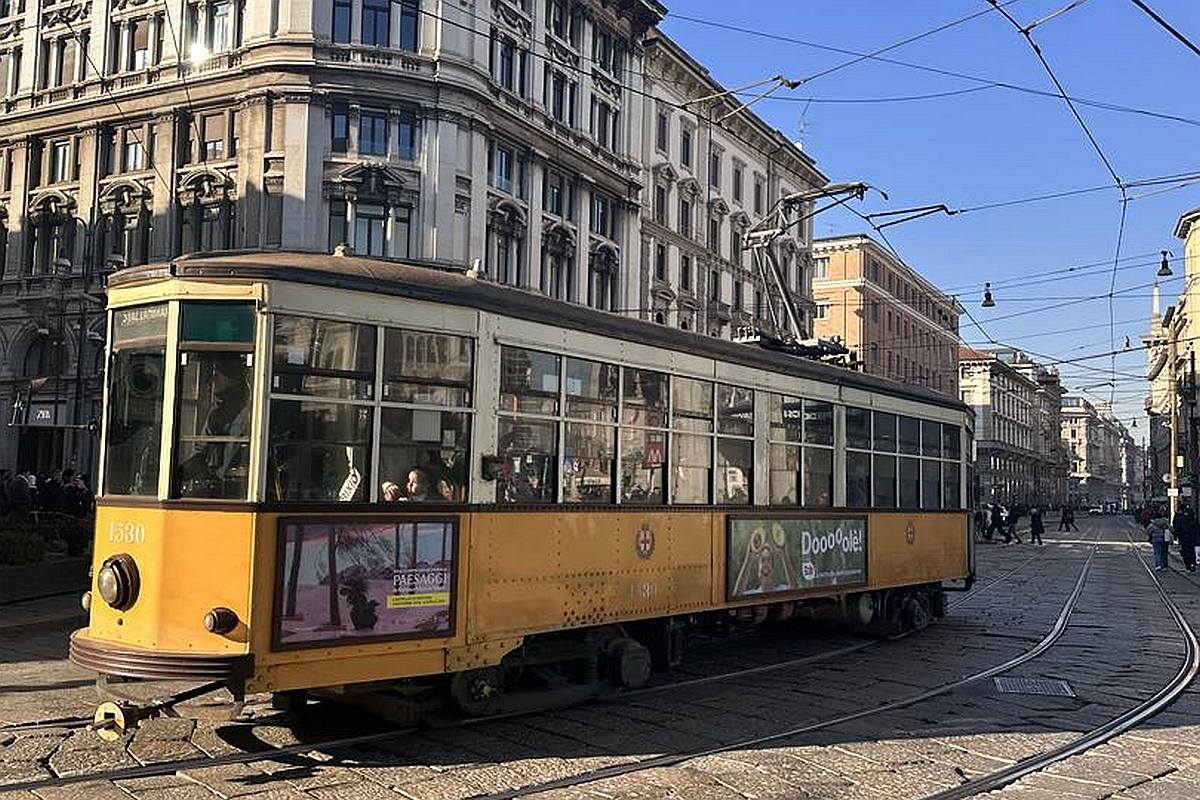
[[772, 555]]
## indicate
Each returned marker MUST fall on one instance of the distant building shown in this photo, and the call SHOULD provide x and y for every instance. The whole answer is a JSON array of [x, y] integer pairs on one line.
[[898, 324], [1018, 404], [1101, 451]]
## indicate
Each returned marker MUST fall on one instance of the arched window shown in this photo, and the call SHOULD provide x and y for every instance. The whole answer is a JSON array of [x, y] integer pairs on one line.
[[602, 278], [206, 213], [506, 243], [37, 358], [558, 262]]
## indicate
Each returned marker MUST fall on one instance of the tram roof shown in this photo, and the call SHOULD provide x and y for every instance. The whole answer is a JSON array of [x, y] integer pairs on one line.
[[447, 284]]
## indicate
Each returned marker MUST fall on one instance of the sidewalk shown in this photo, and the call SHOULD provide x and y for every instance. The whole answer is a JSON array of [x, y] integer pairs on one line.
[[57, 613]]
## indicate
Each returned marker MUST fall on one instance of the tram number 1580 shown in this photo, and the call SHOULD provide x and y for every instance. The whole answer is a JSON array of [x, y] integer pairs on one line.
[[126, 532]]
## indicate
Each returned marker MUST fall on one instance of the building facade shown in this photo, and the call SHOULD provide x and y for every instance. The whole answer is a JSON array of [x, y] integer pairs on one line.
[[706, 184], [1171, 349], [1017, 403], [509, 136], [1101, 450], [898, 324]]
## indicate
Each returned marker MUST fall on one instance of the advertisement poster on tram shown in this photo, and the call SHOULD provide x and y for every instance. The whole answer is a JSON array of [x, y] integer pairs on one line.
[[355, 580], [776, 555]]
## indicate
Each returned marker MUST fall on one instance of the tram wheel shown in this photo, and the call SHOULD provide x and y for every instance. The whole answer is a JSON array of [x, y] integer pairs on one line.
[[915, 614], [477, 691]]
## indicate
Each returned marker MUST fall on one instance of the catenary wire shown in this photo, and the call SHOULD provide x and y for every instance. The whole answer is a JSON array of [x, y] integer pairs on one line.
[[1150, 12], [927, 68]]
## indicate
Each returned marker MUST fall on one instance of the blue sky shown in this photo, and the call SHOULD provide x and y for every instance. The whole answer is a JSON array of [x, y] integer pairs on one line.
[[992, 145]]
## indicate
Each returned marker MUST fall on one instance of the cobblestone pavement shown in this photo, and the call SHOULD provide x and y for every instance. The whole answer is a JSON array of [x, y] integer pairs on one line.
[[1118, 649]]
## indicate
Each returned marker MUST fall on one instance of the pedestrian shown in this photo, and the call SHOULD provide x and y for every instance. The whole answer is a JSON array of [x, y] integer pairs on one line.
[[1018, 511], [1063, 516], [1070, 512], [5, 477], [1158, 532], [1187, 531], [995, 515], [20, 499], [1036, 528]]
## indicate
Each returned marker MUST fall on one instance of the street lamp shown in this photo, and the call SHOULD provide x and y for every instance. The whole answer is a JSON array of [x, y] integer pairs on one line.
[[988, 301], [1164, 269]]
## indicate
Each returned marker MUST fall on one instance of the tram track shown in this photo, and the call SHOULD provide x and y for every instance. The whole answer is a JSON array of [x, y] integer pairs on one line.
[[1143, 711], [674, 759], [299, 750]]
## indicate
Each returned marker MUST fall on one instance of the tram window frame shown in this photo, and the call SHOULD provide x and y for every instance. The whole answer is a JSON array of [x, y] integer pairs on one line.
[[789, 449], [197, 346], [355, 384], [735, 447], [512, 413], [693, 420], [383, 389], [645, 421], [353, 391], [591, 400], [436, 400], [143, 342]]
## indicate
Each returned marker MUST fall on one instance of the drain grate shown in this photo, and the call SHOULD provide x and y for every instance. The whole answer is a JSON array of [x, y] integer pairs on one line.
[[1043, 686]]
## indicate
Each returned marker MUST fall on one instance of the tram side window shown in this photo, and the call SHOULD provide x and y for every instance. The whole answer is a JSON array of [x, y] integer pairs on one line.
[[323, 358], [423, 452], [212, 447], [589, 449], [931, 484], [951, 491], [735, 456], [646, 397], [135, 400], [427, 368], [528, 446], [691, 441], [858, 479], [785, 434], [910, 483], [910, 436], [818, 453], [323, 374]]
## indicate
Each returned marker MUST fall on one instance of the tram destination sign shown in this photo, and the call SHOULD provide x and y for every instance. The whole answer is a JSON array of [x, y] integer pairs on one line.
[[777, 555]]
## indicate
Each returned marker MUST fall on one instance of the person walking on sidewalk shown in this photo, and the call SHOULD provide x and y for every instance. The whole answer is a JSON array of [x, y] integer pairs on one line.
[[1157, 532], [1064, 518], [1036, 528], [1187, 530]]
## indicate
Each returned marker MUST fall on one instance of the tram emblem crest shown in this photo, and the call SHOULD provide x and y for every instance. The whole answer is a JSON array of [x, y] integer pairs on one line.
[[910, 532], [644, 542]]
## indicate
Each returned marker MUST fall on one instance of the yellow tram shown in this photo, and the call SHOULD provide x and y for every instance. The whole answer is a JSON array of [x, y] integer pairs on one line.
[[326, 471]]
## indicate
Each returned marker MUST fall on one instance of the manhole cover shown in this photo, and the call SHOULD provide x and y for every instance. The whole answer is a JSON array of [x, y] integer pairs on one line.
[[1044, 686]]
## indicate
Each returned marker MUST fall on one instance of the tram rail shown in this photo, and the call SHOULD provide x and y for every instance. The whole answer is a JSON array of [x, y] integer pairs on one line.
[[1143, 711]]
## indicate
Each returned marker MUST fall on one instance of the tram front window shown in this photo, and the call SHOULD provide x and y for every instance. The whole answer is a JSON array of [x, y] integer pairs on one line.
[[212, 448], [135, 400]]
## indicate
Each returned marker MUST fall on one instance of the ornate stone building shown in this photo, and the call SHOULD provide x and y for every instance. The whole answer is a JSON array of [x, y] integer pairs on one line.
[[712, 170], [507, 135]]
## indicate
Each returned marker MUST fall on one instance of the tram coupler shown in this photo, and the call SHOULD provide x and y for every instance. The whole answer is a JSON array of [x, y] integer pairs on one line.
[[114, 718]]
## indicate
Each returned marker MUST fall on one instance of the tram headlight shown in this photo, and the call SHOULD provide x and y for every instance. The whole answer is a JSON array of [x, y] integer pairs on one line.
[[117, 581], [220, 620]]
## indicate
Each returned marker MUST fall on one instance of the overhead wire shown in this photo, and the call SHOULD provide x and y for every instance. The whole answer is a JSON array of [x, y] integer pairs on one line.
[[930, 69]]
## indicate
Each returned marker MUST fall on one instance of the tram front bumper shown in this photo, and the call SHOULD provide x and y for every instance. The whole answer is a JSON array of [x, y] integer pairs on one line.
[[108, 658]]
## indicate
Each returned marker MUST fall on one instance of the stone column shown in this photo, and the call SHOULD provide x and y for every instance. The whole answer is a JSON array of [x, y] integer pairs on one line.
[[351, 218], [252, 118], [534, 230], [164, 234], [303, 226], [14, 257], [479, 197], [122, 61]]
